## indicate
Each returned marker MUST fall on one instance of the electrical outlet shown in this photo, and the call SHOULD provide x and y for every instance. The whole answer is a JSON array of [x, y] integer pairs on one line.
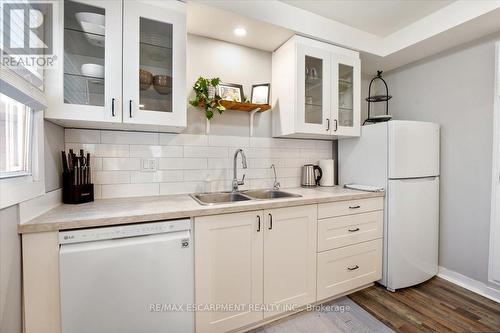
[[148, 165]]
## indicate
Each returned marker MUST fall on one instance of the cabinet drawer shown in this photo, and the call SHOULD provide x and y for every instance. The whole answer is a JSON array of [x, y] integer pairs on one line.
[[346, 230], [347, 268], [340, 208]]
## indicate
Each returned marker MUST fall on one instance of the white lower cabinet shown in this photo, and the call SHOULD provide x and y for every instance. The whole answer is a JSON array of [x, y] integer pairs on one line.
[[349, 267], [260, 258], [265, 263], [228, 269], [289, 258]]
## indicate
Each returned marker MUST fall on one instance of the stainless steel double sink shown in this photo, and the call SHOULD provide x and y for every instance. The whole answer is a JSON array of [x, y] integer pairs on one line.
[[228, 197]]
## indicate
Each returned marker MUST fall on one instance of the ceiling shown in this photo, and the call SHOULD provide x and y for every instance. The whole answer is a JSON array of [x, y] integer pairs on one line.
[[387, 33], [219, 24], [381, 17]]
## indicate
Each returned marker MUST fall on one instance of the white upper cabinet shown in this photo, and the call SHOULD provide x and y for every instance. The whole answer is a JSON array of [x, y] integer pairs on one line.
[[155, 44], [316, 90], [93, 88], [83, 86]]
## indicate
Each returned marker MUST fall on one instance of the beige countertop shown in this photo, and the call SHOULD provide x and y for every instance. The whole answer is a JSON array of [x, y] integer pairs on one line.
[[106, 212]]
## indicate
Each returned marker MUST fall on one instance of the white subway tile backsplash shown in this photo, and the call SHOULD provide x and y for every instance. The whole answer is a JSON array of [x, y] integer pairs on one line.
[[194, 151], [111, 177], [316, 153], [182, 188], [220, 163], [97, 191], [96, 163], [189, 163], [229, 141], [100, 150], [75, 135], [156, 177], [132, 138], [265, 162], [155, 151], [182, 163], [110, 164], [183, 139], [129, 190], [208, 174]]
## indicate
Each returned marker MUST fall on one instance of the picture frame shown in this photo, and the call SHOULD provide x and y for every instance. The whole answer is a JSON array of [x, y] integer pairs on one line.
[[230, 92], [260, 93]]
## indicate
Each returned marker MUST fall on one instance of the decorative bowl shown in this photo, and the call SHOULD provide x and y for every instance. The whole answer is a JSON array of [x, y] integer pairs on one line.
[[145, 79], [162, 84]]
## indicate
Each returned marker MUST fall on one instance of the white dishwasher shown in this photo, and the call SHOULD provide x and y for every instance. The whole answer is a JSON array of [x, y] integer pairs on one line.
[[127, 279]]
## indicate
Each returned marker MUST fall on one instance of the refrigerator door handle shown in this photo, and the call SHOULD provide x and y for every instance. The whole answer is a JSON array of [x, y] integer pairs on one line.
[[413, 179]]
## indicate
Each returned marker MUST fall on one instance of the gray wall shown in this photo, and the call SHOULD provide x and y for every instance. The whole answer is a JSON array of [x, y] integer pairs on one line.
[[455, 89]]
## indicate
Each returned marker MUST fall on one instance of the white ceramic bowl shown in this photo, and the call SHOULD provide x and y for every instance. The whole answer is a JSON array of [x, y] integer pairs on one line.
[[93, 28], [92, 18], [93, 70]]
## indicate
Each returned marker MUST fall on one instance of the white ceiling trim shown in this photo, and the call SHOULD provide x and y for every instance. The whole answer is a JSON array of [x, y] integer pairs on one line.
[[444, 19], [309, 24]]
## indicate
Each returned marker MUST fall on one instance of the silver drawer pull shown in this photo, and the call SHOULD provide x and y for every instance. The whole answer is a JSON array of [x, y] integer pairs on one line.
[[353, 268], [353, 230], [354, 207]]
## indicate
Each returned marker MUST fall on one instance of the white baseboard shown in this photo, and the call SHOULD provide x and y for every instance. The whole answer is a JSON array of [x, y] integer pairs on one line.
[[473, 285]]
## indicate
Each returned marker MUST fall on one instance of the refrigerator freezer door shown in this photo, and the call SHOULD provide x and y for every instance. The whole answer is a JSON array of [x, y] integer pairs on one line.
[[412, 231], [413, 149]]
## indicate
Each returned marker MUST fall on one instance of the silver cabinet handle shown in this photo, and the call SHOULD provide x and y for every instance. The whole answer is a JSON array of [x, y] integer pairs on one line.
[[336, 125], [354, 207], [270, 222], [353, 268], [113, 107], [327, 124], [258, 223], [130, 108], [353, 230]]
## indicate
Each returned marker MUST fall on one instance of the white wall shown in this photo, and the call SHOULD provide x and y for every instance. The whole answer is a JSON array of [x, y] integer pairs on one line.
[[10, 240], [232, 64], [455, 90], [54, 144], [10, 271]]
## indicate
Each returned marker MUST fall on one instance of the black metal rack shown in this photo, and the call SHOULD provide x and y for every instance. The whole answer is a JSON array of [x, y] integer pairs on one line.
[[376, 99]]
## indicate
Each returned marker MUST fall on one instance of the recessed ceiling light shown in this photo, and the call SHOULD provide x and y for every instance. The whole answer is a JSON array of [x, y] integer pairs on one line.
[[240, 32]]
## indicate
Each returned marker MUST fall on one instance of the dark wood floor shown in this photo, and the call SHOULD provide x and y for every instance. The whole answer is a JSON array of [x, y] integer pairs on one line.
[[434, 306]]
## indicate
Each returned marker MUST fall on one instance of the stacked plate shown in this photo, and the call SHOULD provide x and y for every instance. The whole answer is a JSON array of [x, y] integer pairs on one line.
[[94, 27]]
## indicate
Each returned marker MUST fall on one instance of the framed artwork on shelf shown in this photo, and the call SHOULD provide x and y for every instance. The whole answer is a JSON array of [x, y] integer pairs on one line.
[[230, 92], [260, 93]]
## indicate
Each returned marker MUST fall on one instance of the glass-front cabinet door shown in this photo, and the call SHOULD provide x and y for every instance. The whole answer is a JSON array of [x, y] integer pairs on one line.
[[313, 90], [154, 64], [346, 96], [86, 83]]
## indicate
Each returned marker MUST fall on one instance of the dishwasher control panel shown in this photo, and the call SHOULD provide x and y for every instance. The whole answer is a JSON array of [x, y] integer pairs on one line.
[[132, 230]]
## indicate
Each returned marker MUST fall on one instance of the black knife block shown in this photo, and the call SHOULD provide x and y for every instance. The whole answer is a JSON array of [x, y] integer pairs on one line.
[[76, 194]]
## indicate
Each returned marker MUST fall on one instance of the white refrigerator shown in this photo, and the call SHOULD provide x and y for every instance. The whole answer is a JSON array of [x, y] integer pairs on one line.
[[403, 158]]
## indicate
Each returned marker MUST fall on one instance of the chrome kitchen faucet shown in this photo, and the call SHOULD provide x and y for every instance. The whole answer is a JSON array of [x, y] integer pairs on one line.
[[237, 182]]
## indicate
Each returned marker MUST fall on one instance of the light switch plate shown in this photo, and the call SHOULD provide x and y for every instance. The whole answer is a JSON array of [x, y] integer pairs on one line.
[[149, 165]]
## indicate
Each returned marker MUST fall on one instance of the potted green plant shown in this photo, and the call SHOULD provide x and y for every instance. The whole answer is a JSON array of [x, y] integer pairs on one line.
[[207, 97]]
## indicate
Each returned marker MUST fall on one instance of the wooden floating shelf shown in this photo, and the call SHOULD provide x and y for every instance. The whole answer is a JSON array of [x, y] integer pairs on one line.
[[251, 108], [246, 107]]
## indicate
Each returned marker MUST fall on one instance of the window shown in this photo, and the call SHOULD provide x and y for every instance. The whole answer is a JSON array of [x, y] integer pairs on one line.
[[16, 134]]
